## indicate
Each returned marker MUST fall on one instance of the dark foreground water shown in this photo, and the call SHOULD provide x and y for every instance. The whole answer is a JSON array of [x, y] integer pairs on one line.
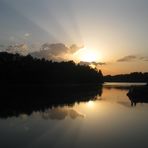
[[106, 121]]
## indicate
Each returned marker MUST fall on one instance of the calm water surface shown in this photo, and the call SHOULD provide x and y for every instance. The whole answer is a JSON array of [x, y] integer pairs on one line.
[[106, 122]]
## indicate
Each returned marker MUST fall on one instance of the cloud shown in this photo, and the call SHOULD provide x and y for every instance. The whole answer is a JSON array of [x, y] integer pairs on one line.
[[27, 35], [99, 63], [60, 113], [55, 51], [144, 58], [74, 48], [127, 58], [18, 48], [93, 64], [131, 58], [84, 63]]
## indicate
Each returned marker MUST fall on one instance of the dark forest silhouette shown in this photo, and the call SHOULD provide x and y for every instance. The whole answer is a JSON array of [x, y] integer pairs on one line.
[[28, 70], [132, 77]]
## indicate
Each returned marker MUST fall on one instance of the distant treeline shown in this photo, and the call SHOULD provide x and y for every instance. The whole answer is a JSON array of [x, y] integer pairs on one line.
[[132, 77], [28, 70]]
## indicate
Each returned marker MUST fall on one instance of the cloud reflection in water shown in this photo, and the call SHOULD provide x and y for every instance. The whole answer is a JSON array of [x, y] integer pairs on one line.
[[59, 113]]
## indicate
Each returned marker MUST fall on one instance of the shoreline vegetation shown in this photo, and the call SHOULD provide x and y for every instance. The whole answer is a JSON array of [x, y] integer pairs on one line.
[[26, 70], [132, 77]]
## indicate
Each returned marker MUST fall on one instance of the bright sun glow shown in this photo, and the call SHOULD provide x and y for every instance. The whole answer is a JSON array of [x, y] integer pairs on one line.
[[90, 104], [87, 55]]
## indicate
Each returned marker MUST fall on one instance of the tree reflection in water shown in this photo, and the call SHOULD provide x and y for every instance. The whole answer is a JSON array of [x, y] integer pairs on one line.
[[47, 101]]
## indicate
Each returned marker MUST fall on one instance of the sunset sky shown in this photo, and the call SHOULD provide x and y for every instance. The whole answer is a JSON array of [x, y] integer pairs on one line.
[[112, 33]]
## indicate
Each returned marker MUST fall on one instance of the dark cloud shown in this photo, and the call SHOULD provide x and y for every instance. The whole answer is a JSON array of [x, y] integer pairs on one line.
[[127, 58], [98, 63], [55, 51], [18, 48], [92, 63], [131, 58], [74, 48], [144, 58], [46, 55], [84, 63]]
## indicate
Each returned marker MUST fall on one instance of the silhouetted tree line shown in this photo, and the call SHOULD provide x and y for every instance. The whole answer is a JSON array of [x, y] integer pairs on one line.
[[28, 70], [132, 77]]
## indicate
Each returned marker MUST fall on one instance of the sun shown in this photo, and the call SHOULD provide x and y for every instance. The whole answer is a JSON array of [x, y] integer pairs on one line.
[[87, 55]]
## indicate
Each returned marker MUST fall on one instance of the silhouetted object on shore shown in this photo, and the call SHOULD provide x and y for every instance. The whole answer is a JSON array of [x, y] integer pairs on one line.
[[135, 100], [138, 95], [132, 77], [17, 69]]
